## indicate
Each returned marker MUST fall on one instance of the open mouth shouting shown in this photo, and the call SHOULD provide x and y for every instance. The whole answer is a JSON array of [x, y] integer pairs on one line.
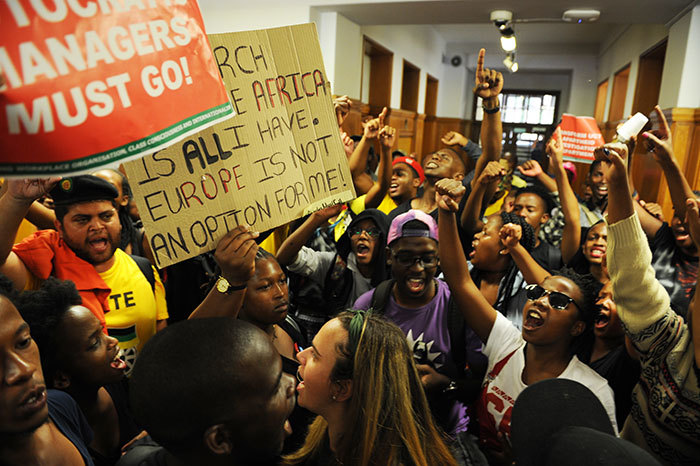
[[363, 251], [118, 363], [602, 319], [98, 245], [533, 320]]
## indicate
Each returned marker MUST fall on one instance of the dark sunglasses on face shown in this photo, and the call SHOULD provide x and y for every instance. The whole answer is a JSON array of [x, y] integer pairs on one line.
[[407, 260], [556, 299], [371, 232]]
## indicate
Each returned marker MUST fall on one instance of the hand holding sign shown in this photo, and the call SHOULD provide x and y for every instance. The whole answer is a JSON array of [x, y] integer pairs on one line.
[[235, 255]]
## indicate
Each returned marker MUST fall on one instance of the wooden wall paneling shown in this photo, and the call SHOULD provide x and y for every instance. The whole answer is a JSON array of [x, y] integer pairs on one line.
[[405, 124], [353, 122], [601, 96], [619, 93], [419, 132], [684, 123]]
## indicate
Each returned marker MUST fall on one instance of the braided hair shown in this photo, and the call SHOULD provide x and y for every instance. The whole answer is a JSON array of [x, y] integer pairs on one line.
[[505, 290]]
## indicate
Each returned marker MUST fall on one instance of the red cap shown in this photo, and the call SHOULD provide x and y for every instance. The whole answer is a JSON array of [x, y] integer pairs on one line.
[[413, 163]]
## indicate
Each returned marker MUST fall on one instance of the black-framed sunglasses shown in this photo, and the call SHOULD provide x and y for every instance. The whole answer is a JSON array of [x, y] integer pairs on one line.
[[407, 260], [371, 232], [556, 299]]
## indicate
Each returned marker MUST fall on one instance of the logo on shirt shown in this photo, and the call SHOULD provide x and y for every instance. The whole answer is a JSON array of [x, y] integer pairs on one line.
[[421, 350]]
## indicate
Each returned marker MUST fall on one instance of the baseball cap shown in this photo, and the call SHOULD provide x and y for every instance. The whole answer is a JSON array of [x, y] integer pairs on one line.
[[83, 188], [413, 163], [570, 167], [397, 230]]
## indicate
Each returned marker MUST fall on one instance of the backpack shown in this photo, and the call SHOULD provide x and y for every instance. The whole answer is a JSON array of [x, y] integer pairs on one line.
[[146, 269], [468, 381]]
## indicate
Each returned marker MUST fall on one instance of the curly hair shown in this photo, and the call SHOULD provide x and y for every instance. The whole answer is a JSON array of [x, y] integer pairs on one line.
[[43, 310]]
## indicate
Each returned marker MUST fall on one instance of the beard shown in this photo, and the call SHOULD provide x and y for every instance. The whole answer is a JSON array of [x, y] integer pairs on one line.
[[82, 250]]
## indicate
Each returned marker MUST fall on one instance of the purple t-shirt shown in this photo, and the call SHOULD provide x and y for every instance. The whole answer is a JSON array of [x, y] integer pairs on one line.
[[427, 334]]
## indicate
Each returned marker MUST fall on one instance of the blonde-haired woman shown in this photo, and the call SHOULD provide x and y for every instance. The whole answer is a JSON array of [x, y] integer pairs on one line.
[[360, 378]]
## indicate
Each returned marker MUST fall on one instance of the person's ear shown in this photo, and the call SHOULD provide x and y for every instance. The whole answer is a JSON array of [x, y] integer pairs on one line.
[[217, 439], [61, 380], [388, 256], [459, 176], [59, 228], [578, 328], [124, 200], [544, 219], [415, 182], [341, 390]]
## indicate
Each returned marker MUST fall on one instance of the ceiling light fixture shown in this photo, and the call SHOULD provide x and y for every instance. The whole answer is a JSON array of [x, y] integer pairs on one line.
[[510, 62], [503, 21]]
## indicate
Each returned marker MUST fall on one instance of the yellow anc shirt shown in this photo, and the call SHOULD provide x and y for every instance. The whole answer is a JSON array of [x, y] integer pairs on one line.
[[133, 308]]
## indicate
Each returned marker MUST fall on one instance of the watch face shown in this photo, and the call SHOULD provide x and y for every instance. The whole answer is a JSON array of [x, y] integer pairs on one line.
[[222, 285]]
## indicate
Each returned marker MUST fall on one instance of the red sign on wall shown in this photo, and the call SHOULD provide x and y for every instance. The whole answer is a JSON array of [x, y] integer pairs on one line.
[[580, 136], [96, 82]]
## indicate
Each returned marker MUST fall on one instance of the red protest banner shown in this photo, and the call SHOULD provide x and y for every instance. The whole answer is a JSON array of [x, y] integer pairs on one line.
[[98, 82], [580, 136]]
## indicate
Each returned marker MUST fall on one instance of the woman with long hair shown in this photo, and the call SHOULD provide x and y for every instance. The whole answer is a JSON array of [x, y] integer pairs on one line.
[[360, 378]]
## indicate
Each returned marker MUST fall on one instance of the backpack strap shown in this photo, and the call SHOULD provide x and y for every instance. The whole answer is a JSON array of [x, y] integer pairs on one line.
[[380, 297], [146, 269]]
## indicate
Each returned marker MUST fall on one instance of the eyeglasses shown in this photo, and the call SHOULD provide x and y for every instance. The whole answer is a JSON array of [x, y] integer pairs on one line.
[[407, 260], [371, 232], [556, 299]]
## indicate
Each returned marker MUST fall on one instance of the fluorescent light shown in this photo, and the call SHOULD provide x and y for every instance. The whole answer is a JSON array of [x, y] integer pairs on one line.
[[508, 43]]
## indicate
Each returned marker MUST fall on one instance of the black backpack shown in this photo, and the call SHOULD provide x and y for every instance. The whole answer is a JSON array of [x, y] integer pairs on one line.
[[146, 269]]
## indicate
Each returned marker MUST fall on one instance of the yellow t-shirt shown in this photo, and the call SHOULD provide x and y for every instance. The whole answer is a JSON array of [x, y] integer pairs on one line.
[[133, 307], [387, 204]]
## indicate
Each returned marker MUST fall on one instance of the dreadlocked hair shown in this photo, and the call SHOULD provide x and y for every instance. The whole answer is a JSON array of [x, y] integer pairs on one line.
[[505, 291]]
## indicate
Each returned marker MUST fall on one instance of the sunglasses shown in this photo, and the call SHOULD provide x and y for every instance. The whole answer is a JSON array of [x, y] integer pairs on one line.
[[407, 260], [371, 232], [556, 299]]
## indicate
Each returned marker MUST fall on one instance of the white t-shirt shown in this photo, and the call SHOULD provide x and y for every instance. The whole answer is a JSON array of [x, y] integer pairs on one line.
[[503, 389]]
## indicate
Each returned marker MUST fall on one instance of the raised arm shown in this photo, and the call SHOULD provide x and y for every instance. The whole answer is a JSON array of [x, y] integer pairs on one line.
[[650, 223], [291, 246], [470, 220], [533, 169], [14, 205], [488, 85], [235, 255], [358, 159], [533, 272], [478, 313], [571, 234], [661, 146], [387, 137]]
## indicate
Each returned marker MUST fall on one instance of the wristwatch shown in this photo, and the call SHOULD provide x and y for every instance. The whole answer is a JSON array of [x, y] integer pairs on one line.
[[223, 286]]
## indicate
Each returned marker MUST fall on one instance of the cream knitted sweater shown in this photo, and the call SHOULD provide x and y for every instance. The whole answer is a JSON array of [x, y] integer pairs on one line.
[[665, 415]]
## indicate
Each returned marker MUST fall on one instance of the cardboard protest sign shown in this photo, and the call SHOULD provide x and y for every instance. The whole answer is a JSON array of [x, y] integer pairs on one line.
[[580, 136], [279, 157], [90, 83]]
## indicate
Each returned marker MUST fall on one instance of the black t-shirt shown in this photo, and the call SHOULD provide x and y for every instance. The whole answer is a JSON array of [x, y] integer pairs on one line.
[[66, 415], [622, 373], [128, 429], [676, 271], [547, 256]]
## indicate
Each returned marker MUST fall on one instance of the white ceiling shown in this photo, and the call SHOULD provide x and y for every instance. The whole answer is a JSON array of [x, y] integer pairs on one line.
[[466, 23]]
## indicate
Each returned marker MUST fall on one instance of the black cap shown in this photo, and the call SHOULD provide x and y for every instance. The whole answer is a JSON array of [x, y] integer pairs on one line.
[[583, 446], [545, 408], [84, 188]]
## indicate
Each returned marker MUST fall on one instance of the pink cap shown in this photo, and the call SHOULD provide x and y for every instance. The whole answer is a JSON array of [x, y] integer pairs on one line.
[[569, 166], [397, 230]]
